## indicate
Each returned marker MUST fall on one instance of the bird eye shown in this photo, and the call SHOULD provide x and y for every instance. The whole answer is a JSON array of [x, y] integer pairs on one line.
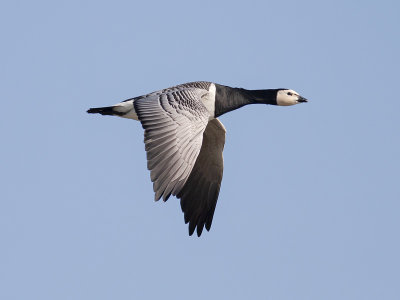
[[290, 93]]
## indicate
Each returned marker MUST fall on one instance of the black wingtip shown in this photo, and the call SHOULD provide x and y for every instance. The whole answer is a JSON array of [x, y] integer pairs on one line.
[[199, 229], [192, 229]]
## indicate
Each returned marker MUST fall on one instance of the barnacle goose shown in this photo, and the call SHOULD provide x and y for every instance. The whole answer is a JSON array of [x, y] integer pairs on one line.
[[184, 139]]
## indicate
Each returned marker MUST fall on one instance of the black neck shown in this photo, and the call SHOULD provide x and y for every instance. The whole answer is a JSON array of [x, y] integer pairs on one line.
[[228, 99]]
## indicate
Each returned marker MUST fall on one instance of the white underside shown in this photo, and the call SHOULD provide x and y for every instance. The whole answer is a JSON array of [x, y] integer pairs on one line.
[[127, 107], [209, 100]]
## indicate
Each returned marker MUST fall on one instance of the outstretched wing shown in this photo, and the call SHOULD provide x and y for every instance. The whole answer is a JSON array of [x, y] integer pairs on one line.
[[174, 121], [200, 193]]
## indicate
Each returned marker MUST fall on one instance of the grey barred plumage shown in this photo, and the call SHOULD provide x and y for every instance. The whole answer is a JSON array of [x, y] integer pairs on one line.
[[184, 140]]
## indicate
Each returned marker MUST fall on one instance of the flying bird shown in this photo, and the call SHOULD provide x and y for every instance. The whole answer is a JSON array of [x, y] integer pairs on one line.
[[184, 139]]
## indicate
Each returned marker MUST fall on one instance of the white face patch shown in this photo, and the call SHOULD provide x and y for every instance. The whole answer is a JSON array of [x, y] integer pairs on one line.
[[287, 97]]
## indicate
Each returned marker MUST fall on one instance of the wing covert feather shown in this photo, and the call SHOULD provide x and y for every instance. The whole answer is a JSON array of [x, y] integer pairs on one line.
[[174, 121]]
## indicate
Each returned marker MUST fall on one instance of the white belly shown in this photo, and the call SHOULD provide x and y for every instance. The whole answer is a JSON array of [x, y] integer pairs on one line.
[[209, 100]]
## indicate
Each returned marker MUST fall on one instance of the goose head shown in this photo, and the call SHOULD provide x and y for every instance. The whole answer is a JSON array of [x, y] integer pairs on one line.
[[286, 97]]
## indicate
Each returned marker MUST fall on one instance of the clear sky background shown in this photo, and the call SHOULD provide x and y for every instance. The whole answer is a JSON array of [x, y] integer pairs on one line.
[[310, 202]]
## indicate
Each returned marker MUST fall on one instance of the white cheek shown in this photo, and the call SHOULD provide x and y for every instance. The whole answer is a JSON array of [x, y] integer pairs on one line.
[[285, 101]]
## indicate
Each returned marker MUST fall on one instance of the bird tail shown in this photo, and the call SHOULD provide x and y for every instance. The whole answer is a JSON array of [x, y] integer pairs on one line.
[[105, 111], [124, 109]]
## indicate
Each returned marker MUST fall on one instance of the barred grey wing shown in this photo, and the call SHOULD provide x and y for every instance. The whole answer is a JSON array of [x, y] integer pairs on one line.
[[173, 121]]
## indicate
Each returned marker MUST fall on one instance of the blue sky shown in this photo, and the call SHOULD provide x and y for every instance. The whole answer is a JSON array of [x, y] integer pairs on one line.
[[309, 204]]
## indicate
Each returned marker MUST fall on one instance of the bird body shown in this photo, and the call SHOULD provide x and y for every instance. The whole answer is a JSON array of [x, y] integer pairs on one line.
[[184, 139]]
